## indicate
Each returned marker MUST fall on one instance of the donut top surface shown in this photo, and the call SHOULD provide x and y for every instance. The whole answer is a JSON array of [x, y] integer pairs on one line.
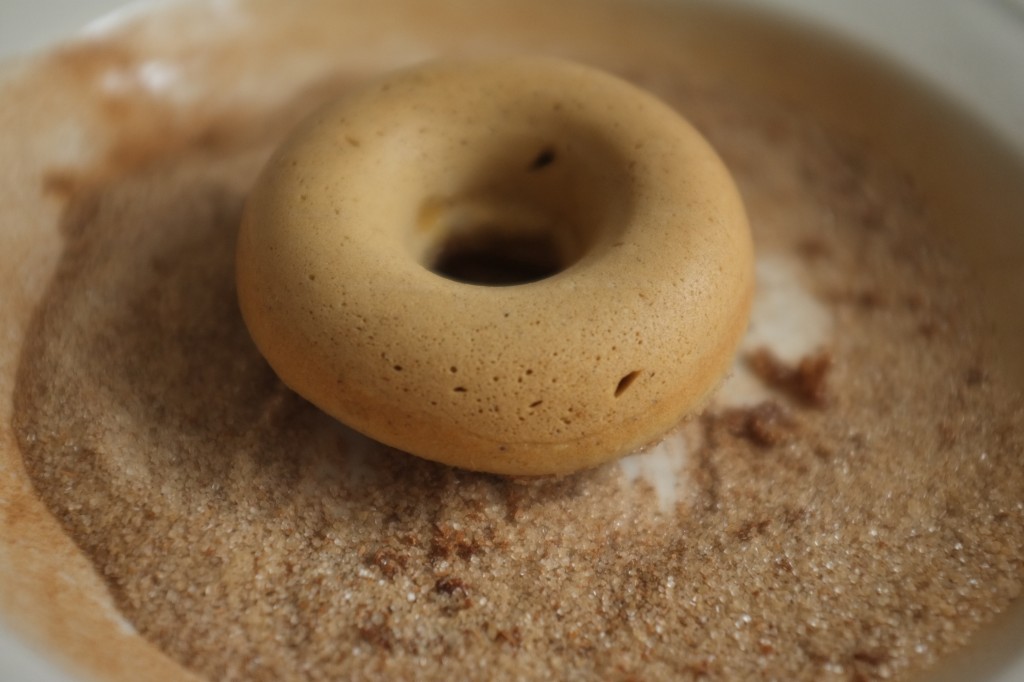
[[522, 266]]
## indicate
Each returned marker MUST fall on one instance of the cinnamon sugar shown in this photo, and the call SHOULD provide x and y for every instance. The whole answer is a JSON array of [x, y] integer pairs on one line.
[[251, 537]]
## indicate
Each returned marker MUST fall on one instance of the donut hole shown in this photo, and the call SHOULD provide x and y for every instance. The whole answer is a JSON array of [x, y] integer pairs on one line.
[[493, 258], [526, 208]]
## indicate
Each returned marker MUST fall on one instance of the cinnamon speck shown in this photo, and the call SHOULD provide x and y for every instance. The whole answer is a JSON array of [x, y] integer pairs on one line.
[[806, 382]]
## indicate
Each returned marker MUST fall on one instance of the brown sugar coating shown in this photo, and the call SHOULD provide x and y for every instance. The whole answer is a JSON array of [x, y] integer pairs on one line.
[[338, 285], [252, 537]]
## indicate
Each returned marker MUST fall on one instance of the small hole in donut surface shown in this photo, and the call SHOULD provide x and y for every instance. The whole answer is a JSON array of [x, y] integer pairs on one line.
[[498, 259], [545, 158], [625, 382]]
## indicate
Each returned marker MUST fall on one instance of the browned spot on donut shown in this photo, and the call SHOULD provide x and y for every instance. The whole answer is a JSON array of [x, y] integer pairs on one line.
[[429, 217]]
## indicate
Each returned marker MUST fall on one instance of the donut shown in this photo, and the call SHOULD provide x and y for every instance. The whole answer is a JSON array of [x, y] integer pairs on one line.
[[520, 265]]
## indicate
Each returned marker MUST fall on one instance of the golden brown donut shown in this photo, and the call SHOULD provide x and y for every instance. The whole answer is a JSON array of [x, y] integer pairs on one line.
[[354, 238]]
